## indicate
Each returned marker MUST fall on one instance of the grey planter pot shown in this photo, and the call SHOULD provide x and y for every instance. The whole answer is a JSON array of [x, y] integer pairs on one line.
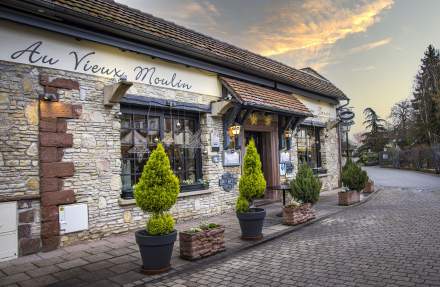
[[155, 251], [251, 223]]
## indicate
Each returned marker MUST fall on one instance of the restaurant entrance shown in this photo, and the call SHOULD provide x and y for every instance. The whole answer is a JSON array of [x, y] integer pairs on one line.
[[261, 148]]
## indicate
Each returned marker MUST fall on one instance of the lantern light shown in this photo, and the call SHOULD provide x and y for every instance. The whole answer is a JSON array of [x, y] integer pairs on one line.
[[288, 133], [235, 129]]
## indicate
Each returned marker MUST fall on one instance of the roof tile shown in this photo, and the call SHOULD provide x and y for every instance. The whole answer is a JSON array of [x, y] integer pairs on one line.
[[253, 95]]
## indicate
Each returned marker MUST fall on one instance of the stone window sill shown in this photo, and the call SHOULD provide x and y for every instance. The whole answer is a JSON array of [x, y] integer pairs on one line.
[[323, 175], [128, 202]]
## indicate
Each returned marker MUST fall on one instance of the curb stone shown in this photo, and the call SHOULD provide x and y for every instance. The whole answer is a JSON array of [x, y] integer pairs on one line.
[[235, 252]]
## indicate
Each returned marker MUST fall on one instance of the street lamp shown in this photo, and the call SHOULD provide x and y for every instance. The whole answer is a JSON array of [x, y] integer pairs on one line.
[[346, 130]]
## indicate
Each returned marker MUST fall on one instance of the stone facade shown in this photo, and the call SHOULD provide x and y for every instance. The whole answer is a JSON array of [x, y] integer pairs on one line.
[[77, 157], [96, 155], [19, 154]]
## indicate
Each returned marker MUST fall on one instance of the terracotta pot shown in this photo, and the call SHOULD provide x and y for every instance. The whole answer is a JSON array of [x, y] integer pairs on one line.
[[369, 187], [202, 244], [349, 197], [298, 215]]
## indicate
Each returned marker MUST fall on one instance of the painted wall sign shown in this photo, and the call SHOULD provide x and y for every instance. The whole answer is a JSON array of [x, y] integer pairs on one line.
[[25, 45], [319, 108], [215, 139]]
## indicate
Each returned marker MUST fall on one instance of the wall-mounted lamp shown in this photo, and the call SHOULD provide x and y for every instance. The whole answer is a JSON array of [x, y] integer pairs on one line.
[[49, 97], [288, 133], [235, 129]]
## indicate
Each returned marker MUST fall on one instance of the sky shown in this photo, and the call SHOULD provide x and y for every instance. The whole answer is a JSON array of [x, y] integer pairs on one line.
[[370, 49]]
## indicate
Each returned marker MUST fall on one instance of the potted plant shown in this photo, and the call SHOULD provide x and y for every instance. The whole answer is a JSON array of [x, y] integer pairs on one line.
[[354, 179], [156, 192], [202, 241], [304, 190], [251, 186]]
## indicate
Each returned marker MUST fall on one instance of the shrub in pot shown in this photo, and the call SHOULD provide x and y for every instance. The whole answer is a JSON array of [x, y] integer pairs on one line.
[[251, 186], [304, 189], [354, 179], [202, 241], [156, 192]]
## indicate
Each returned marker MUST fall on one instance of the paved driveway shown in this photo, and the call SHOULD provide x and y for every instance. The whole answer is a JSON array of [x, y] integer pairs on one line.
[[392, 240], [403, 178]]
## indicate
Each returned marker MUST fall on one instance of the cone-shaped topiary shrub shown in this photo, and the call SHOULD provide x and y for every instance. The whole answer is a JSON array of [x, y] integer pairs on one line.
[[157, 191], [252, 183], [306, 186], [353, 176]]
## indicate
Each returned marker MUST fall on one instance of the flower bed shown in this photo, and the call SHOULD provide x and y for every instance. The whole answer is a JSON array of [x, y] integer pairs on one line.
[[293, 215], [201, 242]]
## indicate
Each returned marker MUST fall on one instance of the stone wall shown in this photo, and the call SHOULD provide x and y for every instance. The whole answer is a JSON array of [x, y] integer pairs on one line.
[[96, 154], [19, 155]]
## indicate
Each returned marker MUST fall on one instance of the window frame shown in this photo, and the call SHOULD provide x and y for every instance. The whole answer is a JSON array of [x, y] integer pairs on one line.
[[319, 168], [162, 114]]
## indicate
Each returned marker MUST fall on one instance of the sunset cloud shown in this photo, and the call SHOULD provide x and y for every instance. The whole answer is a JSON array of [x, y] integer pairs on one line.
[[370, 46], [312, 27]]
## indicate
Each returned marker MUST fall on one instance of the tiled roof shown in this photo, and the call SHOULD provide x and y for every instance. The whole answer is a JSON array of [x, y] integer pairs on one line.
[[114, 13], [260, 97]]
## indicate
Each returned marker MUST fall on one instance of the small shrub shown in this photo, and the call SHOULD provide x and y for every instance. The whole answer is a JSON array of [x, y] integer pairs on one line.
[[353, 176], [242, 205], [160, 224], [305, 187], [252, 183], [157, 191]]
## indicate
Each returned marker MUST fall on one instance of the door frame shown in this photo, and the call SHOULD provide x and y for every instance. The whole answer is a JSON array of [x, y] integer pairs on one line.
[[270, 140]]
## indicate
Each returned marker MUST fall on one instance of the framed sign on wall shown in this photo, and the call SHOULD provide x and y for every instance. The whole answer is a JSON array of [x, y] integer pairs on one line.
[[231, 158]]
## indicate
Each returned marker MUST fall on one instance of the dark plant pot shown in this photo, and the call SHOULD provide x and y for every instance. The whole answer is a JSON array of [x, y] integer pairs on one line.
[[349, 197], [251, 223], [155, 251]]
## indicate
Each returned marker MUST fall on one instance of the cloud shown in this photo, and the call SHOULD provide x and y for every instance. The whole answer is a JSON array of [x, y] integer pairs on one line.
[[311, 28], [370, 46]]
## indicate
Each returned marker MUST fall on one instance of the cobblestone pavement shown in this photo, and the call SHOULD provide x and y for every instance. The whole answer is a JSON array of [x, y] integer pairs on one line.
[[115, 260], [392, 240]]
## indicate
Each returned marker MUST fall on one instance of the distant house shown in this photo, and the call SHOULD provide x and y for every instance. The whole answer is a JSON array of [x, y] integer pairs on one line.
[[88, 89]]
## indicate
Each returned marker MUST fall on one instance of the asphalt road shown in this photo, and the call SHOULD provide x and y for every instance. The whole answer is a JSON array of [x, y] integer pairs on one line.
[[391, 240], [388, 177]]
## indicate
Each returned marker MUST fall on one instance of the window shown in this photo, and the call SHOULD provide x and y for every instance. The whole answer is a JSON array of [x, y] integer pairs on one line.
[[309, 147], [180, 134]]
